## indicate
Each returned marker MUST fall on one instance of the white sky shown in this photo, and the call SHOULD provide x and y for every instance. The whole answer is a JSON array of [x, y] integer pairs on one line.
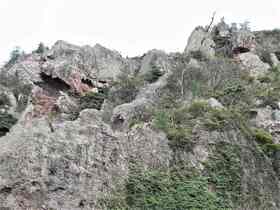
[[130, 26]]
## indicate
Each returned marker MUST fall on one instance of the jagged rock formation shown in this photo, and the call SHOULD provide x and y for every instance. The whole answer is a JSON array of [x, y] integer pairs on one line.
[[85, 128]]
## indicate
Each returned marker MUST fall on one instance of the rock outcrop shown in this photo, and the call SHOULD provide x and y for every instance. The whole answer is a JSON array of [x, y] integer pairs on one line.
[[192, 130], [200, 40]]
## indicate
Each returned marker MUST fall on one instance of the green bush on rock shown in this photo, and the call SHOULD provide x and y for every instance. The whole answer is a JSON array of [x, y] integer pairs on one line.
[[263, 136], [164, 190], [224, 172], [153, 75], [92, 100]]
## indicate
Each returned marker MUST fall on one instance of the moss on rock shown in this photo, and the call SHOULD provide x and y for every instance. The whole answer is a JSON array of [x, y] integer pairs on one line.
[[263, 136]]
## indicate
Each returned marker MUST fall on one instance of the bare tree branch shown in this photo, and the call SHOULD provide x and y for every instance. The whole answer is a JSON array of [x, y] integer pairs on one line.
[[212, 20]]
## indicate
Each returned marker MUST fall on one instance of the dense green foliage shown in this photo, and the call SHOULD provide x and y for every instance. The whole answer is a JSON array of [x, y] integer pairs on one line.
[[165, 190], [178, 123], [224, 172], [153, 75], [175, 123], [263, 136], [92, 100]]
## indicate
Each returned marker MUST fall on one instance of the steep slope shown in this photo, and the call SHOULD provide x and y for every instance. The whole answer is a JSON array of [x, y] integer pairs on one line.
[[85, 128]]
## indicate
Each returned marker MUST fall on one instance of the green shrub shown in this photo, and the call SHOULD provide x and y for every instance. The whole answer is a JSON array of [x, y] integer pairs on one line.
[[198, 108], [163, 190], [4, 100], [263, 136], [274, 147], [179, 138], [153, 75], [271, 148], [217, 119], [174, 124], [275, 68], [265, 79], [161, 120], [41, 48], [16, 53], [270, 97], [224, 171], [92, 101]]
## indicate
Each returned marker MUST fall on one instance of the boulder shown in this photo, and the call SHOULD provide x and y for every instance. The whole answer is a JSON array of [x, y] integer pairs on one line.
[[276, 115], [252, 62], [214, 103]]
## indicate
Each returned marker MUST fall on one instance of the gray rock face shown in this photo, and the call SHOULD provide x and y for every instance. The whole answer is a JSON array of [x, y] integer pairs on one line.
[[200, 40], [52, 160], [147, 96], [97, 63], [65, 60], [71, 166], [153, 59]]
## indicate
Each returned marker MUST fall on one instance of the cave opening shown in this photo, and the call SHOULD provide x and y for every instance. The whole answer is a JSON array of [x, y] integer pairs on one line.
[[52, 84], [3, 131]]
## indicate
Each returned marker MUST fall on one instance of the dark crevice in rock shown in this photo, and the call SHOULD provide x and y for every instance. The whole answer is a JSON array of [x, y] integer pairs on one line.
[[6, 122], [277, 53], [82, 203], [87, 82], [102, 81], [59, 188], [52, 171], [239, 50], [51, 57], [3, 131], [6, 190], [52, 85]]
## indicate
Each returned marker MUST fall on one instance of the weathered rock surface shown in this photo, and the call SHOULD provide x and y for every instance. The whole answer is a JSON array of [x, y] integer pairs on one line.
[[253, 63], [214, 103], [200, 40], [71, 166], [57, 155]]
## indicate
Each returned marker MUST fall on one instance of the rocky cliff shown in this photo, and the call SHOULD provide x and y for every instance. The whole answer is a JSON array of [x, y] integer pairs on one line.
[[82, 127]]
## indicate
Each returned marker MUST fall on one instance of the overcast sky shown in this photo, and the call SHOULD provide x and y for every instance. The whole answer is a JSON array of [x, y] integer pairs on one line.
[[129, 26]]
